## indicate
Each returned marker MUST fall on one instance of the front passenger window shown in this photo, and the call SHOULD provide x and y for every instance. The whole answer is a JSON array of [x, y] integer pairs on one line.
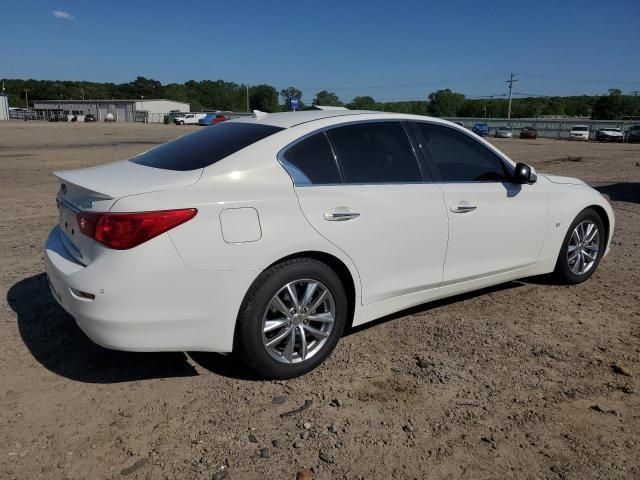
[[458, 156]]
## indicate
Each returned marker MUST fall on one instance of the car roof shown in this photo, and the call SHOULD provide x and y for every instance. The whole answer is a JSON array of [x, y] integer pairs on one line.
[[290, 119]]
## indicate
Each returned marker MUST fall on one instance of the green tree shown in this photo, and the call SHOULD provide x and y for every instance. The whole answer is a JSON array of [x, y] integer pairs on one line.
[[363, 103], [263, 98], [327, 98], [287, 94], [445, 103], [609, 107], [142, 86]]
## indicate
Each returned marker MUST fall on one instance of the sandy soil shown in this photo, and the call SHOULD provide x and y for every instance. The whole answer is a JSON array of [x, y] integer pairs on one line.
[[511, 382]]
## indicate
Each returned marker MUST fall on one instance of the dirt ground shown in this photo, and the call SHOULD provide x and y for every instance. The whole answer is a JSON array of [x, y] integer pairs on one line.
[[526, 380]]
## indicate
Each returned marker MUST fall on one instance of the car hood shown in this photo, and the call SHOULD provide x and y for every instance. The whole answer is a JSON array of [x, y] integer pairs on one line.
[[563, 180]]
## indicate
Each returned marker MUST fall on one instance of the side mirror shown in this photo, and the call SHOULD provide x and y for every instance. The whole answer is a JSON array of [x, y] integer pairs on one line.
[[524, 174]]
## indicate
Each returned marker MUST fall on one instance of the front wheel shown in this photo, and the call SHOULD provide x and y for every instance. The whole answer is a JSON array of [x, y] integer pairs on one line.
[[582, 248], [291, 318]]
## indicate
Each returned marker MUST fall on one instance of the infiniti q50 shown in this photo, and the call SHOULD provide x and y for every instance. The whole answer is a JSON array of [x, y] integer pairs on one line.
[[267, 236]]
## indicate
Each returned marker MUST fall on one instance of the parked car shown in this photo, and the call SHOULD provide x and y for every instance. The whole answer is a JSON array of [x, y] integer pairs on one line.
[[90, 117], [579, 132], [481, 129], [266, 236], [633, 134], [188, 118], [503, 132], [610, 135], [212, 119], [459, 123], [529, 132]]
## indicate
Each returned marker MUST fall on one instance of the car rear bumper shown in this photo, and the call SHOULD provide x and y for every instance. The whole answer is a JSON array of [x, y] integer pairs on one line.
[[147, 300]]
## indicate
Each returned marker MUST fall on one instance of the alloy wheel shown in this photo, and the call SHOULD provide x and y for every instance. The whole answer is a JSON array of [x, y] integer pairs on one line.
[[584, 247], [298, 321]]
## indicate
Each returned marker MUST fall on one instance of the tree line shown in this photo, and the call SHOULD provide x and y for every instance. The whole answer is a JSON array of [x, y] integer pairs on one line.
[[207, 95]]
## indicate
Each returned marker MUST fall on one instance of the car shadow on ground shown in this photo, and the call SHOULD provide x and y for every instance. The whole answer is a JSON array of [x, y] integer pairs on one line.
[[54, 339], [621, 192], [425, 307]]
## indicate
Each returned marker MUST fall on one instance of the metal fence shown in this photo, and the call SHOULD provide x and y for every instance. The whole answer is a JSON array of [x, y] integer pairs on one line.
[[547, 127], [140, 116]]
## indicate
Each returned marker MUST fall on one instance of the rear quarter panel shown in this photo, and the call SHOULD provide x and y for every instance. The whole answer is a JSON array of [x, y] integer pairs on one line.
[[251, 178]]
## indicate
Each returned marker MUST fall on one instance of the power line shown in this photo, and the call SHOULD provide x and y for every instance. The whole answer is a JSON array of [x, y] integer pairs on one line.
[[577, 79], [531, 94], [397, 85]]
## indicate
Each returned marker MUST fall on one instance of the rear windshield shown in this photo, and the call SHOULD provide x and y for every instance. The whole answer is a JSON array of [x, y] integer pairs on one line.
[[206, 147], [579, 129]]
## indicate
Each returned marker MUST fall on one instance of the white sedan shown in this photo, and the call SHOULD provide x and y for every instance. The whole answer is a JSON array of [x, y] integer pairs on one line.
[[267, 236], [503, 132], [579, 132]]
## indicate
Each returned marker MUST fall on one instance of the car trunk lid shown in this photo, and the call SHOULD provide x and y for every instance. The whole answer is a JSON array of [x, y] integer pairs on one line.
[[96, 189]]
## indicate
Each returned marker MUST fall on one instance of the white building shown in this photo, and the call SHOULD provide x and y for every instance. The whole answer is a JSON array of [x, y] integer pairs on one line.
[[152, 110]]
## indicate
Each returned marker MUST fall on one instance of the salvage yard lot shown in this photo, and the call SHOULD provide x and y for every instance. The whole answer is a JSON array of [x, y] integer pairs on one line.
[[525, 380]]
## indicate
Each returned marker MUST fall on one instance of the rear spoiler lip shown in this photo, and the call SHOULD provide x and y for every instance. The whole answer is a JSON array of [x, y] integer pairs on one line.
[[64, 177]]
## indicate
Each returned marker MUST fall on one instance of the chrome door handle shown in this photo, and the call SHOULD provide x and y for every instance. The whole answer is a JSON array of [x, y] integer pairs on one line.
[[340, 216], [463, 208]]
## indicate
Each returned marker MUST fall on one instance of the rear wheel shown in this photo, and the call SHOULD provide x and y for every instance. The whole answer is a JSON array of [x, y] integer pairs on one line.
[[291, 319], [582, 248]]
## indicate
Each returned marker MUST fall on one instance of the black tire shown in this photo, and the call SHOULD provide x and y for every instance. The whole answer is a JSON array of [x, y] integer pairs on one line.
[[563, 272], [249, 345]]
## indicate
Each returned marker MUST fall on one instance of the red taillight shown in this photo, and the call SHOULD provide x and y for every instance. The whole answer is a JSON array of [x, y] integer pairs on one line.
[[127, 230]]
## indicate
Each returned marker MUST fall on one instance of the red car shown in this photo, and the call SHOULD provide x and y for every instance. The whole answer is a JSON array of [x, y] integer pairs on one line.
[[529, 132], [212, 119]]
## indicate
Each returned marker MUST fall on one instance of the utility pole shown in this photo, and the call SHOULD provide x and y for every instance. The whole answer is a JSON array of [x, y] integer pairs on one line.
[[247, 86], [510, 82], [26, 98]]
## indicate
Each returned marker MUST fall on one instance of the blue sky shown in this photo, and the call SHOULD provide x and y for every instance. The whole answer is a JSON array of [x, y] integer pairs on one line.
[[390, 50]]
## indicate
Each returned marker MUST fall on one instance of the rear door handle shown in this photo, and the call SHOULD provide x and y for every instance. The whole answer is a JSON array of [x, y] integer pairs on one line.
[[463, 208], [340, 216]]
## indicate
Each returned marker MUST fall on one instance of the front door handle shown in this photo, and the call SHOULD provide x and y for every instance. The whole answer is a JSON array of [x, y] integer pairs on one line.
[[340, 216], [463, 208]]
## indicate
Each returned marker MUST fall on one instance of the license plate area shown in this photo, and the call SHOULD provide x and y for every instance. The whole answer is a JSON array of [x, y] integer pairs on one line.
[[68, 224]]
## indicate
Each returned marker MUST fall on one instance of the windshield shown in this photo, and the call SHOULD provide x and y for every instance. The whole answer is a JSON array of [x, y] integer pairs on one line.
[[579, 129], [206, 147]]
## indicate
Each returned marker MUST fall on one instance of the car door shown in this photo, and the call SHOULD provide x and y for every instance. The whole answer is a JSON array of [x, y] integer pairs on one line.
[[495, 225], [361, 187]]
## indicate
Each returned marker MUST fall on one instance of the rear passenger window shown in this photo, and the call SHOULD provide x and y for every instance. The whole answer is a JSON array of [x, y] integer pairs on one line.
[[458, 156], [377, 152], [311, 161]]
